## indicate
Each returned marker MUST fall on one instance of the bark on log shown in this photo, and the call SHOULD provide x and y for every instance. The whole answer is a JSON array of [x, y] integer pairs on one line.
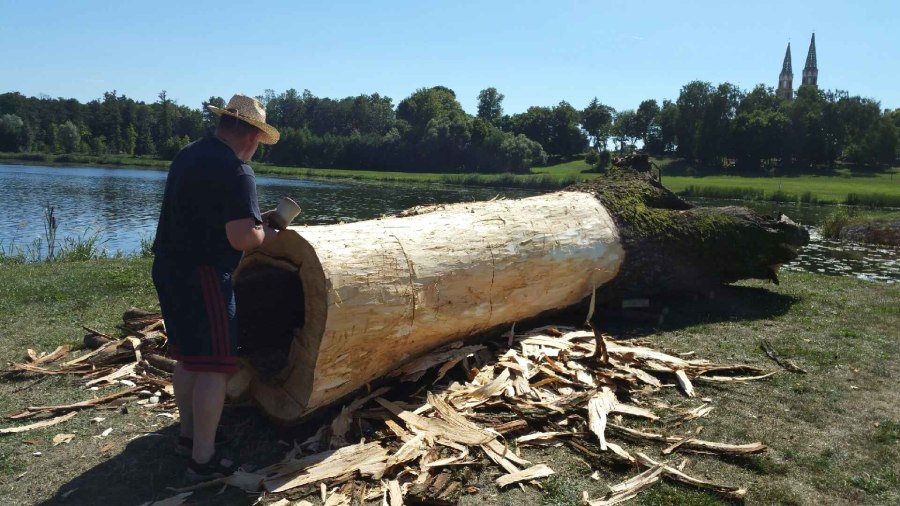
[[672, 245], [325, 310]]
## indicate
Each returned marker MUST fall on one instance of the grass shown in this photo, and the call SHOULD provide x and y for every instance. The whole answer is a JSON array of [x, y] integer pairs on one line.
[[81, 159], [877, 190], [87, 246], [834, 434]]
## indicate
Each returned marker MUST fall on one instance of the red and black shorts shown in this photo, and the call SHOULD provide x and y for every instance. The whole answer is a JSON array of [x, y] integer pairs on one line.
[[198, 308]]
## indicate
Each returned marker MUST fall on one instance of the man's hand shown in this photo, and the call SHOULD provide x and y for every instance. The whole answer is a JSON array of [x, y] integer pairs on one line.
[[269, 234], [265, 216]]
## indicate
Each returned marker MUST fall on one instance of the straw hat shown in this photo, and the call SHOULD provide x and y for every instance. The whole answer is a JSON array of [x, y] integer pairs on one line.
[[251, 111]]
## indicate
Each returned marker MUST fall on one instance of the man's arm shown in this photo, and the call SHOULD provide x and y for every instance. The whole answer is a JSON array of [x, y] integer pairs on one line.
[[245, 228], [246, 234]]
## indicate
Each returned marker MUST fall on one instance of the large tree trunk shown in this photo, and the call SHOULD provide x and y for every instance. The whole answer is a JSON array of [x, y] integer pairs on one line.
[[325, 310]]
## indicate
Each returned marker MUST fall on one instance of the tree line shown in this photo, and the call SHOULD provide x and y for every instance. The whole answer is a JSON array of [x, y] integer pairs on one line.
[[714, 126]]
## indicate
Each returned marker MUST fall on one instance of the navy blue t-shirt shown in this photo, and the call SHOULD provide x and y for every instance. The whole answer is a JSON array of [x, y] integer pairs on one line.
[[207, 187]]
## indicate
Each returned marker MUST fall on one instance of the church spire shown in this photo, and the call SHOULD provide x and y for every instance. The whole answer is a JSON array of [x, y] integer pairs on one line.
[[786, 78], [811, 70], [786, 66]]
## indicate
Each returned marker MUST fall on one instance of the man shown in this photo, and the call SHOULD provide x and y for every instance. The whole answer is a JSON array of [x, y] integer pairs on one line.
[[209, 217]]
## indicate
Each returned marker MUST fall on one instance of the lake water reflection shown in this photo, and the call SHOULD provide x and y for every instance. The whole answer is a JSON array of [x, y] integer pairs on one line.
[[123, 204]]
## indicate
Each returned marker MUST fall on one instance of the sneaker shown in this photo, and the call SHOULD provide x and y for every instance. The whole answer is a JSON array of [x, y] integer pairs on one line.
[[216, 468], [186, 445]]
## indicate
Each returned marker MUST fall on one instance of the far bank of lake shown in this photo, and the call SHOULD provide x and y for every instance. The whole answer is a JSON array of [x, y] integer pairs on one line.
[[122, 205]]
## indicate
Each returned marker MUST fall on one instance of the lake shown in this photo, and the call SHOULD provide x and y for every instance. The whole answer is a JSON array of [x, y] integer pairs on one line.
[[123, 205]]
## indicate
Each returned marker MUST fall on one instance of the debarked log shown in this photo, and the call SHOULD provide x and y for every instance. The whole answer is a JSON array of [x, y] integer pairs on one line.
[[324, 310]]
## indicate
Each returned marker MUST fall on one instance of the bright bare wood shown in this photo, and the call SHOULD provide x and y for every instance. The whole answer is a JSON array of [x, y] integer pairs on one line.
[[380, 293]]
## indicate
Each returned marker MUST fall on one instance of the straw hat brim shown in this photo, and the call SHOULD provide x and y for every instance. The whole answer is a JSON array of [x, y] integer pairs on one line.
[[269, 134]]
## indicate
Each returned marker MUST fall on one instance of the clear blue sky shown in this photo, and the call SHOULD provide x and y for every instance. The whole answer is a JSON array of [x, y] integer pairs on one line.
[[536, 53]]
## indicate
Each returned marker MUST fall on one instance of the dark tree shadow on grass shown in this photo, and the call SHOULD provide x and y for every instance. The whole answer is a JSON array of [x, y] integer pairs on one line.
[[147, 467], [674, 311]]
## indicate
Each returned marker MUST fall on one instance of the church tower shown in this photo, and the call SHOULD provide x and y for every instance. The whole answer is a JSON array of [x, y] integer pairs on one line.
[[786, 79], [811, 70]]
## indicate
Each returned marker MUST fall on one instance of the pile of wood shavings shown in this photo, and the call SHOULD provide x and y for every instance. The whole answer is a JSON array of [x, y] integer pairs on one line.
[[545, 388], [135, 361]]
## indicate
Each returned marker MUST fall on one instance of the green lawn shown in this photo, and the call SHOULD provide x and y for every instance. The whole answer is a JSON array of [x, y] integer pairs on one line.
[[833, 434], [831, 189]]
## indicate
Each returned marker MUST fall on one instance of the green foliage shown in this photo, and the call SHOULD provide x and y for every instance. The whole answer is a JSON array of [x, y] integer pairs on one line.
[[835, 222], [146, 249], [626, 129], [69, 137], [597, 121], [599, 160], [113, 124], [555, 128], [12, 132], [173, 145], [490, 105], [716, 126], [663, 138], [761, 130], [644, 118], [427, 105], [12, 253], [87, 246], [872, 200]]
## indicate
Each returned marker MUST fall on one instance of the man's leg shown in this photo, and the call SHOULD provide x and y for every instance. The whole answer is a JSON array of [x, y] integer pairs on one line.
[[183, 383], [208, 401]]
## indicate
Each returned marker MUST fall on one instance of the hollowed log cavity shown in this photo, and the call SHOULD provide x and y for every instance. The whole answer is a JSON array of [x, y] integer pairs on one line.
[[270, 308]]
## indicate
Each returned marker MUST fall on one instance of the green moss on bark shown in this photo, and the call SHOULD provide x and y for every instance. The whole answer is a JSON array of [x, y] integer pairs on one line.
[[672, 245]]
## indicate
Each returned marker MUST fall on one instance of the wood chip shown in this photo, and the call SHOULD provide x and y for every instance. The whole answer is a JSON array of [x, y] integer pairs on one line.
[[677, 475], [450, 426], [322, 466], [786, 364], [126, 370], [685, 383], [32, 410], [630, 488], [63, 438], [442, 356], [58, 353], [337, 499], [734, 379], [532, 473], [395, 493], [599, 407], [542, 438], [38, 425], [695, 445]]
